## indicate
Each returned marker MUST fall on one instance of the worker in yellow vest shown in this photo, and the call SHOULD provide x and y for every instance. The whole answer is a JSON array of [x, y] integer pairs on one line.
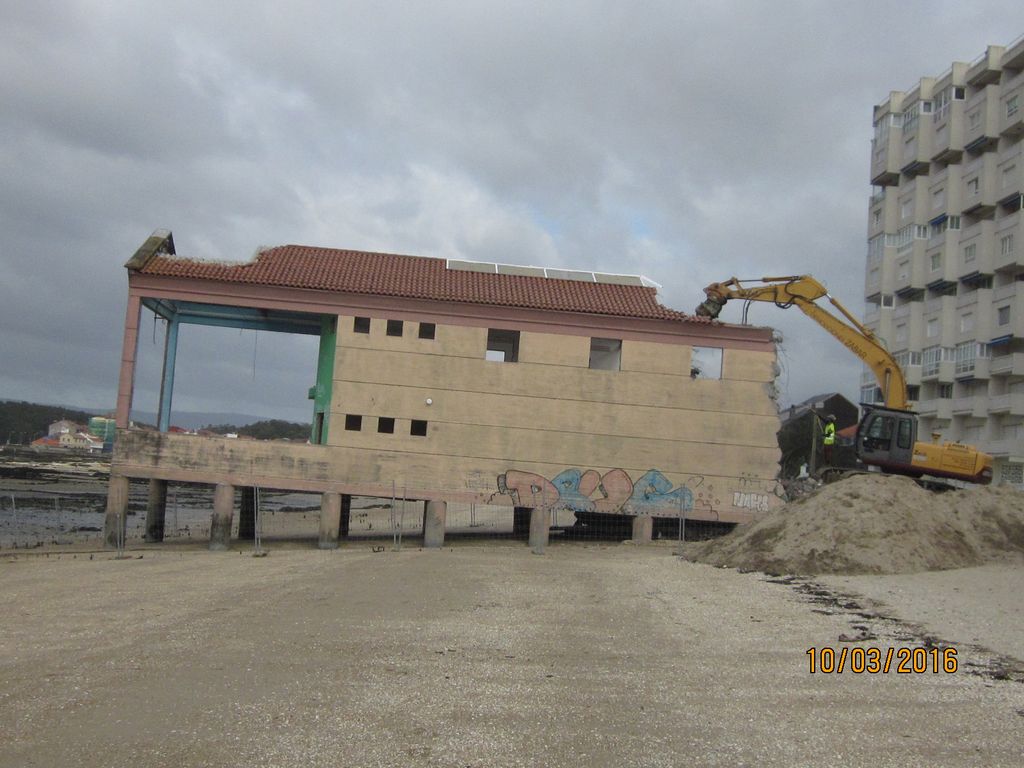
[[830, 438]]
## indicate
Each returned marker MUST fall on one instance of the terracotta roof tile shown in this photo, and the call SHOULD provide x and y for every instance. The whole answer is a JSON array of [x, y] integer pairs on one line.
[[387, 274]]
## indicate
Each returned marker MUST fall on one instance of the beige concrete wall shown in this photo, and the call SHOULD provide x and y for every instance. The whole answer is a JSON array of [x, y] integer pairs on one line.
[[646, 439], [549, 413]]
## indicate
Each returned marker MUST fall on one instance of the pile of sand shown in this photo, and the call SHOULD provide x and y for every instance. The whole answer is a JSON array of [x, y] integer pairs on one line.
[[876, 524]]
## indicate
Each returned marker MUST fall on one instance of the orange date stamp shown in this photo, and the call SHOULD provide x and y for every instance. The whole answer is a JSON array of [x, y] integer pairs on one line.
[[874, 660]]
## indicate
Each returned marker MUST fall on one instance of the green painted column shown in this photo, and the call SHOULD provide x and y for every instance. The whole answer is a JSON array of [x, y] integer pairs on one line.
[[320, 393]]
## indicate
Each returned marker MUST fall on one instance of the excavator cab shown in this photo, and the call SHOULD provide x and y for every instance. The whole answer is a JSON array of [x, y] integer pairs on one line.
[[886, 437]]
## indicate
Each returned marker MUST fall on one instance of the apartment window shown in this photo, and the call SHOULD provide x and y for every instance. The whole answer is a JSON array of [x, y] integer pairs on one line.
[[395, 327], [932, 328], [901, 332], [1006, 245], [921, 231], [945, 391], [906, 208], [903, 270], [361, 325], [1011, 106], [935, 262], [938, 198], [1008, 174], [913, 392], [915, 358], [353, 423], [966, 322], [427, 330], [502, 346], [418, 428], [970, 253], [973, 186], [953, 222], [874, 278], [876, 247], [876, 217], [386, 425], [1003, 316], [706, 363], [605, 354], [888, 301], [974, 119], [930, 359], [966, 353], [959, 93]]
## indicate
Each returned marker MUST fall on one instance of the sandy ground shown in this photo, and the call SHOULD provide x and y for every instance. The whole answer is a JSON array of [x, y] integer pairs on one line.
[[480, 655], [979, 606]]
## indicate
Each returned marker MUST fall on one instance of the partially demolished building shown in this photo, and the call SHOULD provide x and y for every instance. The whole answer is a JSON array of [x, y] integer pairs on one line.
[[464, 382]]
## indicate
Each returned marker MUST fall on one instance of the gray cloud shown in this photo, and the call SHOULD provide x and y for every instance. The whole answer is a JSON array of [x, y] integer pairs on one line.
[[688, 141]]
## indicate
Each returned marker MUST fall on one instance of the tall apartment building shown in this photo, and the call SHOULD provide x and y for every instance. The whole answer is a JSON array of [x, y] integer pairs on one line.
[[944, 282]]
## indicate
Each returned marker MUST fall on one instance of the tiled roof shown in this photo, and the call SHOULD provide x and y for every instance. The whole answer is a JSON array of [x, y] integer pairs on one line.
[[417, 277]]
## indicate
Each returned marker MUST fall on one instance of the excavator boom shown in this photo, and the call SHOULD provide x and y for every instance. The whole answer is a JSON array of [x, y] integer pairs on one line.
[[803, 291]]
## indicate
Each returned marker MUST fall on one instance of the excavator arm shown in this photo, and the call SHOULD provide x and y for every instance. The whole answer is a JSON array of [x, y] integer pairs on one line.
[[804, 292]]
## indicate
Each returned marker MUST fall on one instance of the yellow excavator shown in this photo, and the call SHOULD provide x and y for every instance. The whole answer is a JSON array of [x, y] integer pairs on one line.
[[886, 434]]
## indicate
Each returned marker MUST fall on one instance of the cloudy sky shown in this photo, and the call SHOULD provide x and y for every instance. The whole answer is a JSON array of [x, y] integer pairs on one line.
[[687, 141]]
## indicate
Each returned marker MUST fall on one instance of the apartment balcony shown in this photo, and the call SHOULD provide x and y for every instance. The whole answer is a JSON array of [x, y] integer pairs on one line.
[[911, 278], [979, 192], [948, 133], [1011, 113], [987, 68], [975, 252], [916, 155], [936, 408], [979, 371], [1013, 55], [981, 111], [1007, 365], [943, 373], [1001, 448], [974, 406], [940, 305], [1011, 404], [885, 159], [1008, 244]]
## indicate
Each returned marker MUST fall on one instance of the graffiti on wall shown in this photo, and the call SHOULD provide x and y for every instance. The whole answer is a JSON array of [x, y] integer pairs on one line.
[[614, 492]]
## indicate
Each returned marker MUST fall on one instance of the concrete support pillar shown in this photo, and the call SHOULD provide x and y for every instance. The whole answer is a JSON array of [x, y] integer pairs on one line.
[[156, 510], [540, 522], [114, 525], [223, 511], [643, 529], [167, 380], [330, 520], [247, 513], [434, 516], [129, 349], [346, 515]]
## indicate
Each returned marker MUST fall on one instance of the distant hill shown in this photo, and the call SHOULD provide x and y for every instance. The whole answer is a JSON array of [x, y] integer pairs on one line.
[[22, 422]]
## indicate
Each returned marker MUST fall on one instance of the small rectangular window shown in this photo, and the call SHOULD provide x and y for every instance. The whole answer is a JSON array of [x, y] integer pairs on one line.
[[502, 346], [706, 363], [427, 330], [353, 423], [395, 327], [361, 325], [418, 428], [386, 424], [605, 354], [1003, 316], [904, 434]]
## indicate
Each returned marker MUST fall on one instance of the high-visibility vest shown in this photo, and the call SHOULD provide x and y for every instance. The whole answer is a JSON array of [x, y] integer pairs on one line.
[[830, 433]]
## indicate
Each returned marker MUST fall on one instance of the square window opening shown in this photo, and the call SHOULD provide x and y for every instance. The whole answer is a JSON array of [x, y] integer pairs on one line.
[[502, 346], [395, 327], [606, 354], [361, 325], [418, 428], [386, 425], [706, 363], [353, 422], [427, 330]]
